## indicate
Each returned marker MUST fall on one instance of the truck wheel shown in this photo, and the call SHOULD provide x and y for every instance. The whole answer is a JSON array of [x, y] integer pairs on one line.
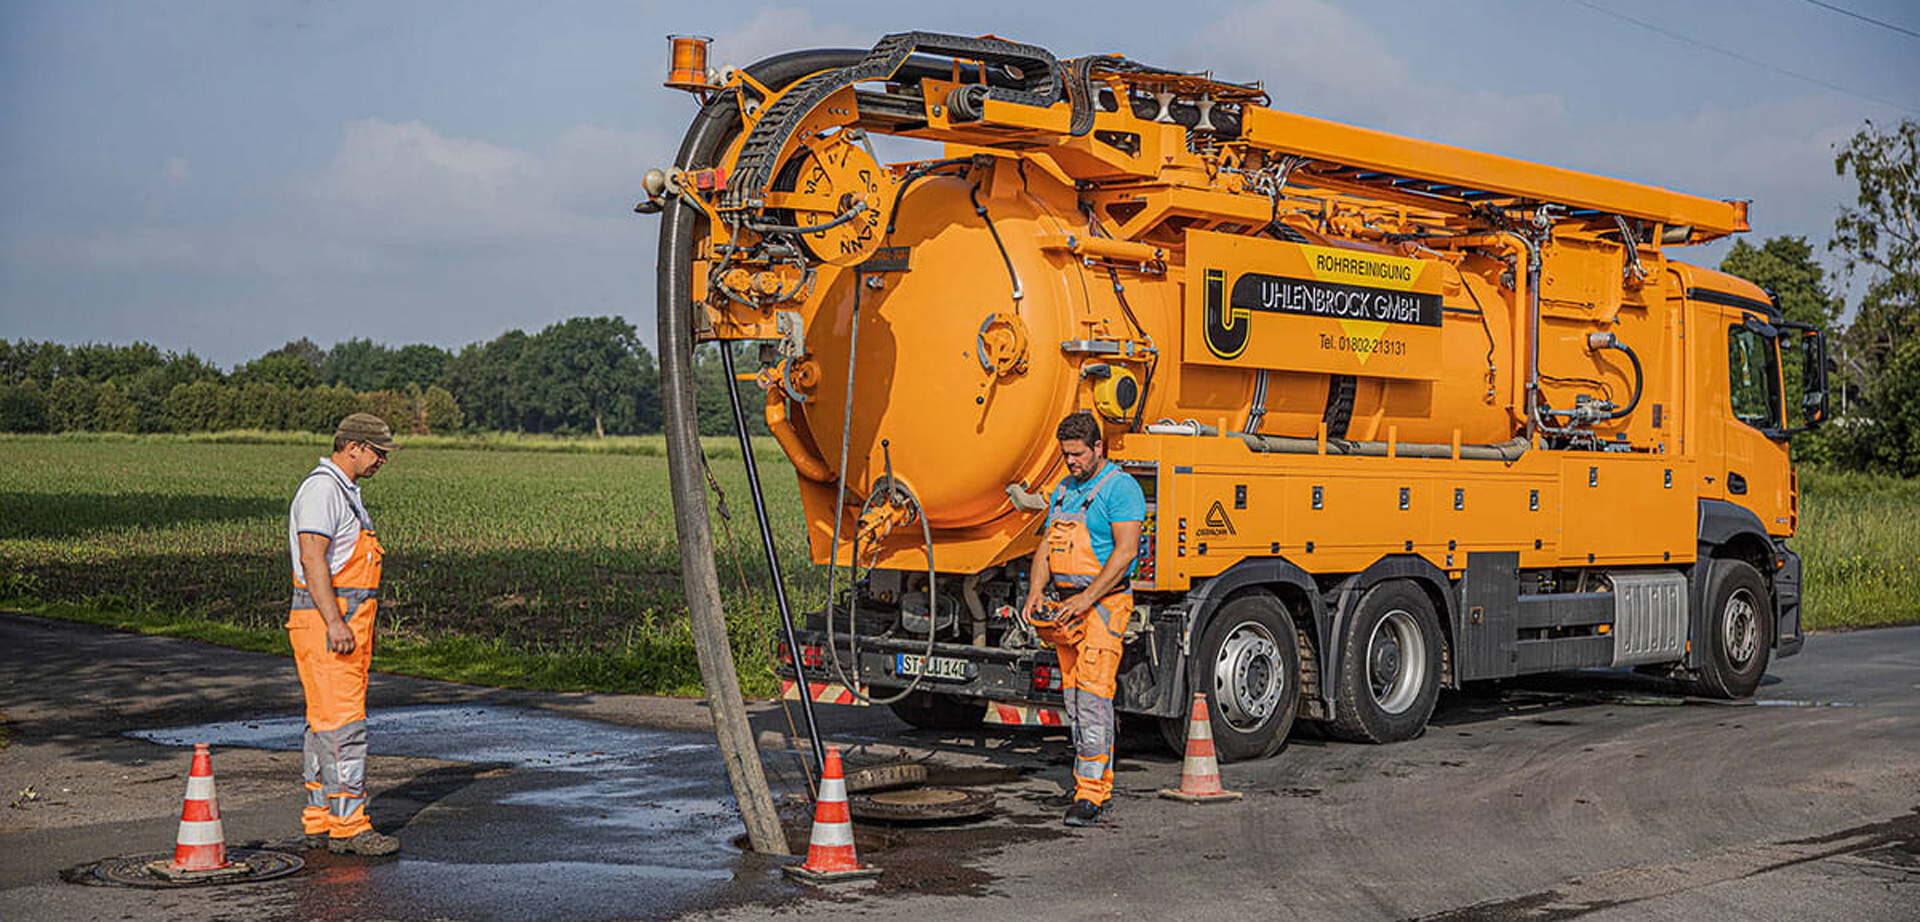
[[1249, 666], [1389, 666], [1738, 628], [940, 712]]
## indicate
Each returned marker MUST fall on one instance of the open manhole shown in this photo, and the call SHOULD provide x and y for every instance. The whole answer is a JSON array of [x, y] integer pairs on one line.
[[248, 866], [920, 805]]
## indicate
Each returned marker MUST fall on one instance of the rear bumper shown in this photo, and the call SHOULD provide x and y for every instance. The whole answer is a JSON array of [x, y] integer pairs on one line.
[[990, 673]]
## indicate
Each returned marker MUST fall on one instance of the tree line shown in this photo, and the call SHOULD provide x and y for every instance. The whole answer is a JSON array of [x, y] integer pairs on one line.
[[593, 375], [1874, 387], [578, 376]]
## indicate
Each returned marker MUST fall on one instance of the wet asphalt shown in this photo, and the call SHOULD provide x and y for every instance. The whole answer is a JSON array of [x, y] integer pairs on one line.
[[1600, 796]]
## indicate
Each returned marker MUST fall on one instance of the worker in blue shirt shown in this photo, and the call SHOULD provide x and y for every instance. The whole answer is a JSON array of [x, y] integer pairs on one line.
[[1085, 562]]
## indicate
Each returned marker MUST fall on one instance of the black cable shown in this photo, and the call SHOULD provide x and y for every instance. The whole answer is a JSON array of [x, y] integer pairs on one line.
[[1884, 25], [1741, 57], [913, 175], [981, 210]]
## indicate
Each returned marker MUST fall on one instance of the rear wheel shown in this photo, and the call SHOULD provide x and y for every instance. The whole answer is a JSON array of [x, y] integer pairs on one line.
[[1249, 666], [940, 712], [1739, 631], [1389, 666]]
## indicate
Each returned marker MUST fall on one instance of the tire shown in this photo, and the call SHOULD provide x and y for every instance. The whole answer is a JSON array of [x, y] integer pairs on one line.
[[928, 711], [1739, 632], [1389, 666], [1248, 663]]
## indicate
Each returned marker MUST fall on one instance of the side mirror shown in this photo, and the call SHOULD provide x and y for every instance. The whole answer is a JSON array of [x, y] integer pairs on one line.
[[1814, 368]]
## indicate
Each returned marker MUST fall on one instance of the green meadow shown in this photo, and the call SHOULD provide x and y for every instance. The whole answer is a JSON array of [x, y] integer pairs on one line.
[[548, 563]]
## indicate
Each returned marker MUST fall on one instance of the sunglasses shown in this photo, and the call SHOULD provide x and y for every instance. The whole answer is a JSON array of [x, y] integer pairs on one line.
[[377, 450]]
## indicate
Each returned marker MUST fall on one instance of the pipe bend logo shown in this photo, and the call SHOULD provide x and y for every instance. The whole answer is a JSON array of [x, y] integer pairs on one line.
[[1224, 326]]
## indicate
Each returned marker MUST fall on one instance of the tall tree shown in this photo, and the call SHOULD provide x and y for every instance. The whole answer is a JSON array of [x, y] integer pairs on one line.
[[584, 374], [419, 365], [358, 363], [1785, 267], [276, 368], [483, 381], [1878, 235]]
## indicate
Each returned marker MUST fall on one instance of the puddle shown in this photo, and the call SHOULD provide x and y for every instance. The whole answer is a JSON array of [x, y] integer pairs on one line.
[[544, 811]]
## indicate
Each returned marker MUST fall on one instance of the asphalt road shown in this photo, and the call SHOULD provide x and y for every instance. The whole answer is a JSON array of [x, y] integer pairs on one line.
[[1598, 797]]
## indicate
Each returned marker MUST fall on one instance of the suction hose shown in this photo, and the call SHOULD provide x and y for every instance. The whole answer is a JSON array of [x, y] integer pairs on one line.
[[673, 306]]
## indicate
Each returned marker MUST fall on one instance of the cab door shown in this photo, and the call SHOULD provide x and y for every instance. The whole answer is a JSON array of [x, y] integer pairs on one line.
[[1755, 472]]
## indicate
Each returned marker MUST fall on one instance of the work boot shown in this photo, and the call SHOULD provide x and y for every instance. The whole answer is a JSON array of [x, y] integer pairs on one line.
[[1083, 813], [316, 840], [366, 843]]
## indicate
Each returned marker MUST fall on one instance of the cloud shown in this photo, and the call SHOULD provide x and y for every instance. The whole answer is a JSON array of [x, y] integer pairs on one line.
[[1317, 58], [777, 29], [408, 181]]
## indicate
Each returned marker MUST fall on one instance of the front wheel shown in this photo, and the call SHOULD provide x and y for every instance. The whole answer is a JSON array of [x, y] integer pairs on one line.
[[1249, 666], [1389, 666], [1739, 631]]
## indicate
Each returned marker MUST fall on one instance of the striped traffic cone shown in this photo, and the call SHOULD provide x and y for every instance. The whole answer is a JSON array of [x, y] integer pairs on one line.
[[830, 854], [202, 843], [1200, 773]]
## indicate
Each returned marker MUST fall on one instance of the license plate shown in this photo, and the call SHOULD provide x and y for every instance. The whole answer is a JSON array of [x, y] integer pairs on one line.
[[933, 667]]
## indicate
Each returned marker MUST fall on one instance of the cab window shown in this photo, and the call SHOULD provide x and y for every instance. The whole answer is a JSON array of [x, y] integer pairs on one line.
[[1755, 368]]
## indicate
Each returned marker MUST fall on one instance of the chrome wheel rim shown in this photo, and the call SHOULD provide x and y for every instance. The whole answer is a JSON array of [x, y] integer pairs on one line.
[[1740, 629], [1396, 662], [1249, 677]]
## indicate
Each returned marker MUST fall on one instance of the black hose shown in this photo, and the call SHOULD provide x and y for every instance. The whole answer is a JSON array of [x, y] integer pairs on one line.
[[981, 210], [673, 308], [1639, 379]]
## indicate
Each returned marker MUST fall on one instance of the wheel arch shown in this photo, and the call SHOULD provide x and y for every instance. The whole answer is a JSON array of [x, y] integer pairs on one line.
[[1346, 596], [1283, 579], [1727, 531]]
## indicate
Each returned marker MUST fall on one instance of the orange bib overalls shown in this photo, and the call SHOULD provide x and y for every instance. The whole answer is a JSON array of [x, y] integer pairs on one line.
[[1089, 648], [335, 766]]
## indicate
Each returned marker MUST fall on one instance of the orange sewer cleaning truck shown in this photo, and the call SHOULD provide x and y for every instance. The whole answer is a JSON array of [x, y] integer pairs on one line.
[[1406, 416]]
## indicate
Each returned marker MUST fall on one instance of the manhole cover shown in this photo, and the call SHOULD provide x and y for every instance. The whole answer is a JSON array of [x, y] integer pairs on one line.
[[920, 805], [249, 866]]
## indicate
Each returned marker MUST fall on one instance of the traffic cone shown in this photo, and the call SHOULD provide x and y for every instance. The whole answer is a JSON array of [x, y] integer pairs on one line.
[[1200, 773], [830, 854], [202, 843]]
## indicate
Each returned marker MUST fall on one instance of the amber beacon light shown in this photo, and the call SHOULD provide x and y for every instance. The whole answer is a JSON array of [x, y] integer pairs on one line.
[[689, 62]]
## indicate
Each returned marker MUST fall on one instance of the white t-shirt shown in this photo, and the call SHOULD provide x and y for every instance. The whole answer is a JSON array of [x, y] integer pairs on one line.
[[327, 503]]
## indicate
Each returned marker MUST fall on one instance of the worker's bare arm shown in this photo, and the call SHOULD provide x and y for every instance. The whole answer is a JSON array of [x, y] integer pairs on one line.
[[319, 579]]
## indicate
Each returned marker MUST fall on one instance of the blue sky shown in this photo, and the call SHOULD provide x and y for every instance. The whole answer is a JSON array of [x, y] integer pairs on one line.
[[224, 176]]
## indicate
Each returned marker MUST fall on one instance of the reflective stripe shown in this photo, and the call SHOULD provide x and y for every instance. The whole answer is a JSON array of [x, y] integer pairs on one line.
[[199, 787], [832, 789], [303, 598], [832, 834], [204, 833]]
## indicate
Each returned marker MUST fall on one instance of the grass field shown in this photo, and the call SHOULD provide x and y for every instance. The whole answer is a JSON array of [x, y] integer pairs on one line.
[[542, 568], [552, 564]]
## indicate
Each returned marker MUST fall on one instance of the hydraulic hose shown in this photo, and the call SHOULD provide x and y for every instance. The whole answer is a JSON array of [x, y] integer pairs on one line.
[[1610, 341]]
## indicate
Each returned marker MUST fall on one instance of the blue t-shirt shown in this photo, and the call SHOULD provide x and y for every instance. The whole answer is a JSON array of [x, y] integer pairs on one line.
[[1119, 500]]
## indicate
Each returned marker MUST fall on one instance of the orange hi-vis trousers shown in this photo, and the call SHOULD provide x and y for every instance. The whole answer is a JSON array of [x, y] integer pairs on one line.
[[1089, 649], [335, 764]]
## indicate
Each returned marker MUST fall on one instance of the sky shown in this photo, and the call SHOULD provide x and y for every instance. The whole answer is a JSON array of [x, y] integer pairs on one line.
[[224, 177]]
